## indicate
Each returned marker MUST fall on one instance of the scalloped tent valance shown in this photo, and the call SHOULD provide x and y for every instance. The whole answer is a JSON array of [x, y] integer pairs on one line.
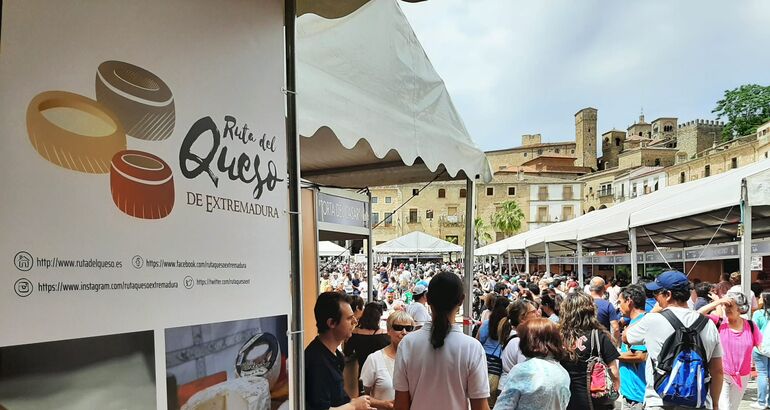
[[371, 109]]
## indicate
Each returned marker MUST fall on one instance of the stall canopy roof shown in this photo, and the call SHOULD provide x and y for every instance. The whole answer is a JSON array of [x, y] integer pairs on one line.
[[688, 214], [327, 248], [371, 109], [416, 243]]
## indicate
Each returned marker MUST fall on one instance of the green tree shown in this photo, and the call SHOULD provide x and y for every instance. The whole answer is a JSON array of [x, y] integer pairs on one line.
[[481, 234], [745, 108], [508, 218]]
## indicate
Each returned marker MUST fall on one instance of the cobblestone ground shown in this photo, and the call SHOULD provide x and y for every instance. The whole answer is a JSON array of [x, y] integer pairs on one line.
[[749, 397]]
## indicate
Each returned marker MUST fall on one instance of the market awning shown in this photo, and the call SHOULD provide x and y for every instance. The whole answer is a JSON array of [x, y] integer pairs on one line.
[[327, 248], [372, 111], [417, 242]]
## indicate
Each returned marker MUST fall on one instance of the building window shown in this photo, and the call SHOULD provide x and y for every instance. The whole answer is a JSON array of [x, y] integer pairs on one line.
[[442, 193], [557, 150], [640, 133], [707, 171], [415, 192], [668, 128], [734, 163], [617, 142], [490, 191], [572, 151], [525, 155], [542, 214], [657, 162], [567, 212], [605, 190], [375, 218], [540, 152], [542, 193], [452, 239], [567, 192], [388, 199], [413, 215], [463, 192], [429, 214], [374, 199], [681, 178], [388, 218], [511, 191]]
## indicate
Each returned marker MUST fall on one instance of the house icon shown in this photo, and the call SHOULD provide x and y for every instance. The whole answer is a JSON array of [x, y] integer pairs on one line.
[[23, 261]]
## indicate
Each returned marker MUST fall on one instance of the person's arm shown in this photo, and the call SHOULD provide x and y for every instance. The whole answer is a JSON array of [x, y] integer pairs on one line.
[[615, 332], [705, 310], [633, 356], [479, 404], [615, 374], [403, 401], [377, 403], [715, 389]]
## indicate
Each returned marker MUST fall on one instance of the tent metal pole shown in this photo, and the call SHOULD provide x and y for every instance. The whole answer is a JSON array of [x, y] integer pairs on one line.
[[580, 262], [369, 261], [526, 261], [470, 196], [508, 253], [547, 258], [295, 222], [634, 267], [745, 241]]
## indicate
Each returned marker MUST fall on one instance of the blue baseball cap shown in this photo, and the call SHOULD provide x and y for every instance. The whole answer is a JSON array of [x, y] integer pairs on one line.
[[669, 280]]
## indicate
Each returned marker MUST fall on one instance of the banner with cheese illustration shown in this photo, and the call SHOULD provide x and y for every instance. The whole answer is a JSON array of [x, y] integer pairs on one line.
[[143, 169]]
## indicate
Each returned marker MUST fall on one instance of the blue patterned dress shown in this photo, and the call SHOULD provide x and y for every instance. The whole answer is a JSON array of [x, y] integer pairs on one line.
[[536, 384]]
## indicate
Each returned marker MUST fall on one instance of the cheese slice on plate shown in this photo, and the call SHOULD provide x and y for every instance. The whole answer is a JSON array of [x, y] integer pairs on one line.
[[244, 393]]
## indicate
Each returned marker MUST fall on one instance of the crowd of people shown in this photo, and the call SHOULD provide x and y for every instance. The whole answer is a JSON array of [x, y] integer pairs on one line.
[[540, 342]]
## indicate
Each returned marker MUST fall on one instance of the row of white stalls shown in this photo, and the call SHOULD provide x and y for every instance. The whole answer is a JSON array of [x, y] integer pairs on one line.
[[720, 217], [370, 110]]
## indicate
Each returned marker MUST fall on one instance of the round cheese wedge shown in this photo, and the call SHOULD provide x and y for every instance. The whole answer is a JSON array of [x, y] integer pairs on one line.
[[141, 100], [142, 184], [243, 393]]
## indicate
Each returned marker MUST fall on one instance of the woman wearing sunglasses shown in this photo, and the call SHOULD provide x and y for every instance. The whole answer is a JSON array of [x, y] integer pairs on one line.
[[377, 373]]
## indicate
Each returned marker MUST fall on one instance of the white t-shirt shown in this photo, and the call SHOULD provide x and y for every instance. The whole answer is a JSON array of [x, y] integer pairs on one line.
[[511, 357], [419, 313], [614, 293], [653, 330], [377, 373], [443, 378]]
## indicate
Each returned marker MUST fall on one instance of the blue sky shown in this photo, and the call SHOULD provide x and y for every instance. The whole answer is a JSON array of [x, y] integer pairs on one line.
[[516, 67]]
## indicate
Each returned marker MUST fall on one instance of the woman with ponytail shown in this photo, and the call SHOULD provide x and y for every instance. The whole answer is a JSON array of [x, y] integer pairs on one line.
[[439, 367]]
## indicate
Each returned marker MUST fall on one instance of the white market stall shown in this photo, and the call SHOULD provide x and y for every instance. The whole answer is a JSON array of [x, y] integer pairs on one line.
[[368, 109], [417, 244], [328, 249]]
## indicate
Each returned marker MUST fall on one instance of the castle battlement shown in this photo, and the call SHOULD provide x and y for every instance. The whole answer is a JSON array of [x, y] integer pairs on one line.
[[702, 122]]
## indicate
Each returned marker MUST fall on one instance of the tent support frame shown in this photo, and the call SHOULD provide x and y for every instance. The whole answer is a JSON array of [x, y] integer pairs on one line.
[[470, 194], [634, 266]]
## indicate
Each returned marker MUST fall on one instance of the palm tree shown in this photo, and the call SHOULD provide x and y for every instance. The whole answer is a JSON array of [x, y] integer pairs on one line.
[[508, 218], [481, 234]]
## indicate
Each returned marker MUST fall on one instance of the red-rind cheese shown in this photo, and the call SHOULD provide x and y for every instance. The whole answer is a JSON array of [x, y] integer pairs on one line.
[[142, 184]]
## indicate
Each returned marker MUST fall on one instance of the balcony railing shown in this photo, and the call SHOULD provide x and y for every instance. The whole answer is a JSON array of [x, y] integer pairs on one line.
[[604, 192], [451, 220]]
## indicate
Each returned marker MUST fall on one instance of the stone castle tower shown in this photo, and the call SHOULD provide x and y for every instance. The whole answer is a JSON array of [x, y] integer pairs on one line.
[[612, 147], [585, 138]]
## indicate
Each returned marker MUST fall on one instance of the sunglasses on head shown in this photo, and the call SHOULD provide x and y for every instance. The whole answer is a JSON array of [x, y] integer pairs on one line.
[[399, 328]]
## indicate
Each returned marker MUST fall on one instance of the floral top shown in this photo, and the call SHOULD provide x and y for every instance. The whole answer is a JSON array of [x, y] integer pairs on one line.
[[537, 384]]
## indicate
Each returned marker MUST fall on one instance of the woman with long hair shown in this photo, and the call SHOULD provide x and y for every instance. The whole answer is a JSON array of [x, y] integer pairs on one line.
[[539, 383], [518, 312], [377, 373], [493, 345], [439, 367], [762, 319], [585, 337], [368, 337]]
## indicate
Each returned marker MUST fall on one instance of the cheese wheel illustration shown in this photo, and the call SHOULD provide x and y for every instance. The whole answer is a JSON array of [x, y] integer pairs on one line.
[[74, 132], [140, 99], [142, 184]]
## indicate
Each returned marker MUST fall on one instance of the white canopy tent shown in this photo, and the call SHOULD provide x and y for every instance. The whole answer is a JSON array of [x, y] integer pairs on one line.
[[331, 249], [372, 110], [416, 243]]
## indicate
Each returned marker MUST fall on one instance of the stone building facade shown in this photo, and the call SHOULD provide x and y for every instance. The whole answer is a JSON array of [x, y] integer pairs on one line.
[[612, 147], [585, 137], [694, 137]]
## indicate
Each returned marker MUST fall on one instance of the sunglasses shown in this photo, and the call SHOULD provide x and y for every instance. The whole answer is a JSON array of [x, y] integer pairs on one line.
[[399, 328]]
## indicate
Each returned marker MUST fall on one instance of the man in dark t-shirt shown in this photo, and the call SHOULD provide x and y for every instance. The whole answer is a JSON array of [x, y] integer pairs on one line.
[[605, 311], [324, 363]]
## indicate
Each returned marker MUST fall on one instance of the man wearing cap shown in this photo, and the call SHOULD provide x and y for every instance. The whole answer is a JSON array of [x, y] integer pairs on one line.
[[672, 290], [418, 309]]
